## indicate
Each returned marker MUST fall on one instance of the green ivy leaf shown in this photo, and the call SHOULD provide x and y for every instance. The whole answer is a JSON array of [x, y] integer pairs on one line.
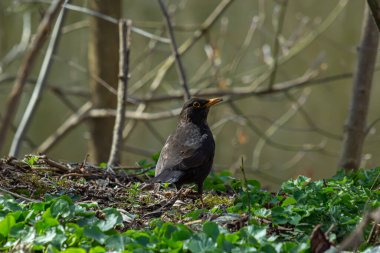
[[115, 243], [112, 218], [6, 224], [74, 250], [60, 208], [211, 229], [289, 201], [97, 249], [200, 243], [95, 233]]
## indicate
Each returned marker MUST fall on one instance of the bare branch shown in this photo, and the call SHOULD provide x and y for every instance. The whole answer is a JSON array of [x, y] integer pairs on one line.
[[353, 241], [256, 130], [124, 48], [241, 92], [276, 46], [303, 42], [256, 22], [136, 115], [18, 49], [310, 122], [18, 195], [68, 125], [86, 112], [374, 5], [40, 84], [137, 150], [114, 21], [25, 68], [28, 140], [160, 71], [273, 129], [371, 125], [355, 129], [180, 68]]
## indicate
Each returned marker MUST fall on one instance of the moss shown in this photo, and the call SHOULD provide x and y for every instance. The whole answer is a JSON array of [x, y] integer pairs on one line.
[[39, 186], [211, 200]]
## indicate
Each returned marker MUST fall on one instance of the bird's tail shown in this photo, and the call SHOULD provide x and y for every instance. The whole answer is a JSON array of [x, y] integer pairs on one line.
[[168, 176]]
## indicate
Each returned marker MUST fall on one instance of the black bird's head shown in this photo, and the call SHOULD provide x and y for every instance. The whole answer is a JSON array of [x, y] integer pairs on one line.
[[196, 109]]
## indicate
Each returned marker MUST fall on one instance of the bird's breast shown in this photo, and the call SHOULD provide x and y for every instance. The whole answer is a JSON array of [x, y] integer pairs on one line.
[[192, 134]]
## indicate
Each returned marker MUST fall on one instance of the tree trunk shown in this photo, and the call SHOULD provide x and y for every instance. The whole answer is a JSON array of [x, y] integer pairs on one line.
[[355, 128], [103, 63]]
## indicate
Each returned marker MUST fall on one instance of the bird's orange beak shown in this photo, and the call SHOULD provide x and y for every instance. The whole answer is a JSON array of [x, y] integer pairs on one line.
[[213, 101]]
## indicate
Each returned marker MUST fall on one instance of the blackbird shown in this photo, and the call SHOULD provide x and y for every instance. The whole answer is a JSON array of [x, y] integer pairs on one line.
[[188, 153]]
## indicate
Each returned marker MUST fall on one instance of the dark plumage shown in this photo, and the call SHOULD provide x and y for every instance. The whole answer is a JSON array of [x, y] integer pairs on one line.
[[188, 153]]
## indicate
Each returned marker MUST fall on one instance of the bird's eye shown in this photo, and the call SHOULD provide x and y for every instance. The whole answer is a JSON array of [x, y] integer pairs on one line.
[[196, 105]]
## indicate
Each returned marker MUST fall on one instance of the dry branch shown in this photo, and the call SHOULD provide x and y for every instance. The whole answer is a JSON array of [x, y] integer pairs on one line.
[[16, 195], [124, 48], [114, 21], [374, 5], [276, 46], [103, 57], [25, 68], [353, 241], [355, 129], [180, 68], [40, 84]]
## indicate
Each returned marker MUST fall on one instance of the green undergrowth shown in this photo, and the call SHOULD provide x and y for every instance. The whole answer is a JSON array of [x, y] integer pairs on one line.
[[262, 221]]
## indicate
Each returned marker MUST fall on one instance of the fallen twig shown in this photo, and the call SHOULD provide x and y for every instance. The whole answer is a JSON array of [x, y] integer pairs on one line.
[[18, 195], [354, 240]]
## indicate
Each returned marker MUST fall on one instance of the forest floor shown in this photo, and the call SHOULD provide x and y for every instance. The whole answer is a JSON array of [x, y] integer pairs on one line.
[[129, 193], [49, 204]]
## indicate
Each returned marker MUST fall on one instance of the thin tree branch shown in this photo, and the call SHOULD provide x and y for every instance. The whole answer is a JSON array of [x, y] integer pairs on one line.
[[115, 21], [65, 128], [101, 113], [137, 150], [255, 23], [256, 130], [310, 122], [371, 125], [303, 42], [296, 105], [241, 92], [276, 46], [374, 5], [180, 68], [64, 99], [86, 112], [40, 84], [353, 241], [28, 140], [159, 72], [124, 47], [16, 195], [154, 132], [18, 49], [25, 68]]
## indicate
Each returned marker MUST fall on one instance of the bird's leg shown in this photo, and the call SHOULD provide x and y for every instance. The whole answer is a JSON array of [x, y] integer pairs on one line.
[[200, 193], [178, 187]]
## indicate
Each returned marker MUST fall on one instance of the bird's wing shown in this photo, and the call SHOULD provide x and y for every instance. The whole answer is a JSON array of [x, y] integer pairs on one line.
[[183, 154]]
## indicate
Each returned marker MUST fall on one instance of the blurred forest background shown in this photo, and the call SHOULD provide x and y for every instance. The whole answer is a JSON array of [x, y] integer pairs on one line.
[[284, 68]]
